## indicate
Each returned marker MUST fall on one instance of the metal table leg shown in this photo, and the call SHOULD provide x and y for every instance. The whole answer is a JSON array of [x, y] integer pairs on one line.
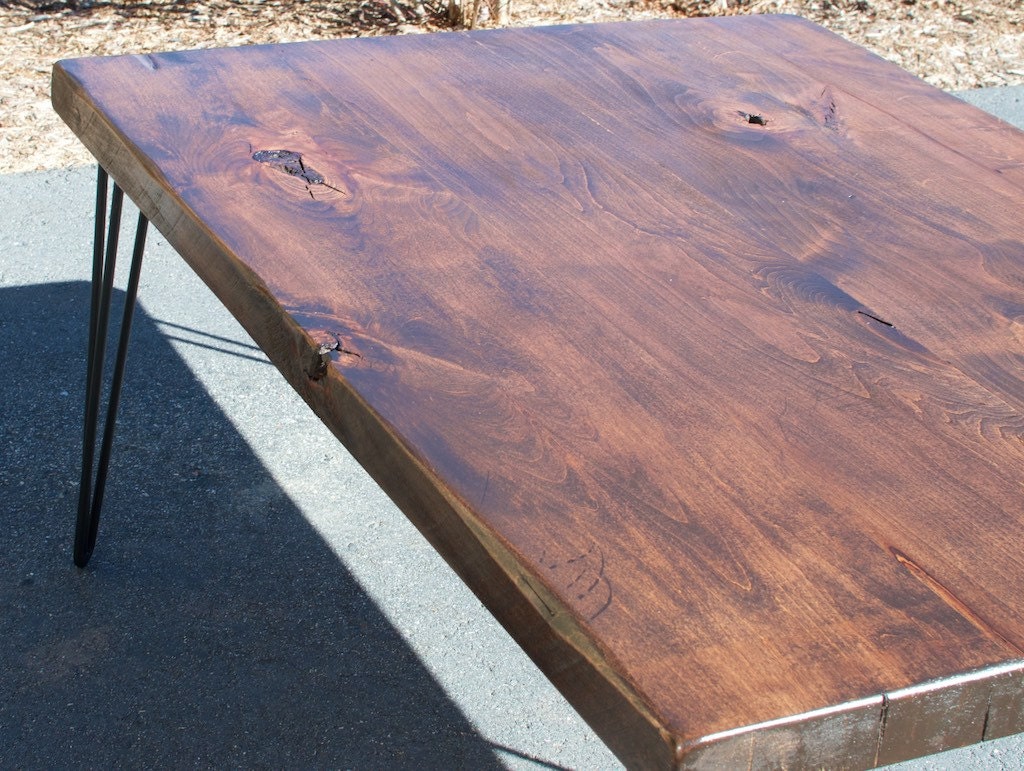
[[90, 498]]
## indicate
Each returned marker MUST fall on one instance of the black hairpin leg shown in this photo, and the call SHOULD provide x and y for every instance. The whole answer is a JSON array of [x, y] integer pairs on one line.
[[90, 497]]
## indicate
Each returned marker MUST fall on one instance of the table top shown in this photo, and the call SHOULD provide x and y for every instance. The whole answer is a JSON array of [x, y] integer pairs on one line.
[[694, 346]]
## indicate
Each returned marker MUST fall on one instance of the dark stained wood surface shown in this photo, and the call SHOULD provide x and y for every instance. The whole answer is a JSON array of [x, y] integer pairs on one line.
[[695, 347]]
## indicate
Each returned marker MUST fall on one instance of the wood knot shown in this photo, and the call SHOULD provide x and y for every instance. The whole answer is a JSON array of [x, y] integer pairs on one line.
[[291, 163], [321, 358]]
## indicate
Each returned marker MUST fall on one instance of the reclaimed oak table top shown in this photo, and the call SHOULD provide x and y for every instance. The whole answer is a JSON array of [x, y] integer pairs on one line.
[[696, 347]]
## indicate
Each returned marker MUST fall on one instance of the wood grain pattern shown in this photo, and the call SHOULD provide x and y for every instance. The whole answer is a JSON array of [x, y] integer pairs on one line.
[[695, 347]]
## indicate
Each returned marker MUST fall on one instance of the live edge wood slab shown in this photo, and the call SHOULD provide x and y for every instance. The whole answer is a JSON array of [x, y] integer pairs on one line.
[[696, 347]]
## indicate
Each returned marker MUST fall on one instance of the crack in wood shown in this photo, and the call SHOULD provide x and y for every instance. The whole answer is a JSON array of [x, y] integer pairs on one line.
[[883, 718], [526, 581], [948, 597], [830, 117], [337, 345], [875, 318], [290, 162], [988, 713]]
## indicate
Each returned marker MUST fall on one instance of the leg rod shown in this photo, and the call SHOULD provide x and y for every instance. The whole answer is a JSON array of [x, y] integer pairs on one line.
[[119, 366], [90, 498]]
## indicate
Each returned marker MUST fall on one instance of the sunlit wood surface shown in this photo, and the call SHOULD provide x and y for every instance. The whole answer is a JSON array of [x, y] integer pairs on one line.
[[695, 347]]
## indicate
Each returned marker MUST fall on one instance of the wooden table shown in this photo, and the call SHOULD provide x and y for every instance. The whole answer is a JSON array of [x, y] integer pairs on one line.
[[696, 348]]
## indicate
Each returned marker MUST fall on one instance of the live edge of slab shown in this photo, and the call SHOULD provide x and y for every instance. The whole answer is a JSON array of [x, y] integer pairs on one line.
[[694, 346]]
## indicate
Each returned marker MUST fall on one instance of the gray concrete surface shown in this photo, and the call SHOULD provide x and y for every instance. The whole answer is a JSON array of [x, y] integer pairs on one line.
[[1005, 103], [255, 600]]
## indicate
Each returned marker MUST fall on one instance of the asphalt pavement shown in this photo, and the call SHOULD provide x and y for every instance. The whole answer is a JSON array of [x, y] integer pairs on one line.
[[254, 600]]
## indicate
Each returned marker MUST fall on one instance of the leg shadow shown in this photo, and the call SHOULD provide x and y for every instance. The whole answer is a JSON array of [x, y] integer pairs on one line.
[[213, 627]]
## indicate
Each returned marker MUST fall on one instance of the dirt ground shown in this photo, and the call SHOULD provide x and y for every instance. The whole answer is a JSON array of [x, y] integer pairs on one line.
[[951, 44]]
